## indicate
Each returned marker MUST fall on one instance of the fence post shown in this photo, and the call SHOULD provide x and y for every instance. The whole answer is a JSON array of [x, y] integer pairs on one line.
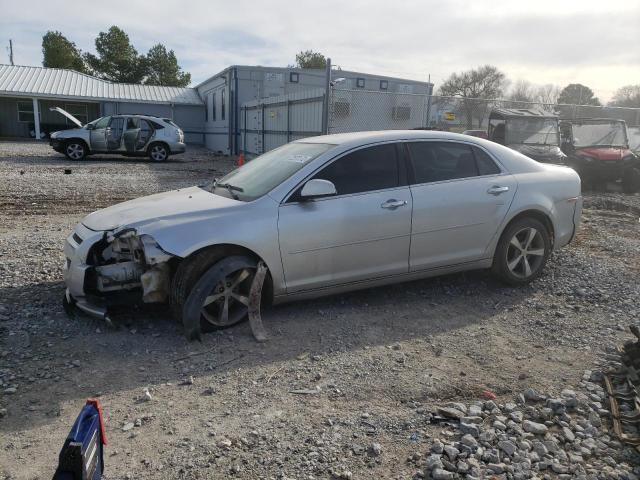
[[325, 103], [244, 132], [288, 123], [262, 128]]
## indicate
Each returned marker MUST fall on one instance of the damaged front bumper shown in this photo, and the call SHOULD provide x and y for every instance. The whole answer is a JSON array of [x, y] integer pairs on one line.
[[114, 268]]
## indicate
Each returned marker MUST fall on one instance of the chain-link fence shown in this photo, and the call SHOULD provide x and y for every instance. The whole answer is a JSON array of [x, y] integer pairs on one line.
[[361, 110]]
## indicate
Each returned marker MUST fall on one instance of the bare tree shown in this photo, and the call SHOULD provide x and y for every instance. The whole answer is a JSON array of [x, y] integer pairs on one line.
[[522, 91], [474, 87], [547, 94], [627, 96]]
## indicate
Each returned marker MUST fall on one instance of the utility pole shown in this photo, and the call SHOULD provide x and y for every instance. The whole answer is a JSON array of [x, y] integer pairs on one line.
[[11, 51]]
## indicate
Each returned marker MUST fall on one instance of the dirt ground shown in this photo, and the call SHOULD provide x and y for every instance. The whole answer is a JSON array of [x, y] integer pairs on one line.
[[371, 364]]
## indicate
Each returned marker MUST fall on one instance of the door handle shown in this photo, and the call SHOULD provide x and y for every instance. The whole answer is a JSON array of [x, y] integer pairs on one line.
[[497, 190], [393, 204]]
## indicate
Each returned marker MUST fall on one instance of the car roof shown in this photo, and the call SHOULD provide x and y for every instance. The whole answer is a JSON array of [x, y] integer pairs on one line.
[[363, 138]]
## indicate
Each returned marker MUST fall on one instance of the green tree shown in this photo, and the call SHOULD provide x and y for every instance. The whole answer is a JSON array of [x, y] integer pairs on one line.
[[474, 87], [577, 94], [310, 59], [627, 96], [162, 68], [117, 59], [59, 52]]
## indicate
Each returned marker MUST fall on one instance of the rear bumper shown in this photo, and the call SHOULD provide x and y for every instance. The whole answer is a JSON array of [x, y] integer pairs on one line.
[[178, 147]]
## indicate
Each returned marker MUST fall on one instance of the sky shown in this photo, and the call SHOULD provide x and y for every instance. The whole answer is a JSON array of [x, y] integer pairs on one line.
[[544, 42]]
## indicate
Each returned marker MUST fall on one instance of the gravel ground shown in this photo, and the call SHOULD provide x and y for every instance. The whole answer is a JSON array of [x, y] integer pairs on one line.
[[346, 387]]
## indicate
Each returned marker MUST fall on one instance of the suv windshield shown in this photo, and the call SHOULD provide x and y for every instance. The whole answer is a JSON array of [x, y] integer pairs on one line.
[[532, 131], [606, 134], [267, 171], [634, 138]]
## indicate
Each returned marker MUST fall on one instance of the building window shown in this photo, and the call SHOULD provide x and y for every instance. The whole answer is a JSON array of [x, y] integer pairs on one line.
[[213, 107], [222, 105], [294, 77], [25, 112], [360, 82], [78, 111], [206, 108], [384, 85]]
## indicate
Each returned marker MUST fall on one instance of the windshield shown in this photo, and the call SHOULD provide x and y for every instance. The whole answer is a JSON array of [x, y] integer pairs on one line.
[[264, 173], [608, 134], [634, 138], [532, 131]]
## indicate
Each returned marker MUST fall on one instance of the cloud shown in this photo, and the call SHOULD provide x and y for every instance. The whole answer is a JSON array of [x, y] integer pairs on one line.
[[546, 41]]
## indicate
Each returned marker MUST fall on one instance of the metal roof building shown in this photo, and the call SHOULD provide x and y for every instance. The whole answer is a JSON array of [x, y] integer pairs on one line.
[[27, 93]]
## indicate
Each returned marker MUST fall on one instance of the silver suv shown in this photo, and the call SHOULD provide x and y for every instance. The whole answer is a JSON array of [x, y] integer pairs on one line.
[[131, 135]]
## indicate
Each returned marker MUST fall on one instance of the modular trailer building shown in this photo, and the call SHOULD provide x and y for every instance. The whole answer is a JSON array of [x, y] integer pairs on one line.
[[225, 93], [209, 113]]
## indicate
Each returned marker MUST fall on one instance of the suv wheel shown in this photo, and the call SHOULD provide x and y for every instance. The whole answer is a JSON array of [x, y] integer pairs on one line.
[[522, 251], [75, 150], [631, 180], [158, 152]]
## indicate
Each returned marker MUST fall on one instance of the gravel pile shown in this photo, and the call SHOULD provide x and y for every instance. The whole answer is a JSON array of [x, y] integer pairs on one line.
[[562, 436]]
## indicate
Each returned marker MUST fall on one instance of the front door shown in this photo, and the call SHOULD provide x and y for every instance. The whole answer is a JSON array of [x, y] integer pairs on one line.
[[99, 135], [460, 198], [362, 232]]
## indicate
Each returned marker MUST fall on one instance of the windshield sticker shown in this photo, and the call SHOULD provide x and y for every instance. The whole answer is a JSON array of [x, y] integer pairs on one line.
[[298, 158]]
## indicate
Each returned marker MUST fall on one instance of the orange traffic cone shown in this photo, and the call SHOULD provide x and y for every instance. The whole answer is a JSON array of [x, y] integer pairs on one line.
[[241, 159]]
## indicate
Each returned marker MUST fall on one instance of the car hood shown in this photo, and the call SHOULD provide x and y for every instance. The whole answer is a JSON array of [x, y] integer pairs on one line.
[[542, 153], [162, 207], [605, 153]]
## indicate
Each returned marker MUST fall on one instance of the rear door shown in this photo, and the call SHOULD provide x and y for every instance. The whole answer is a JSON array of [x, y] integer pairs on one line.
[[114, 134], [460, 197], [362, 232], [131, 134]]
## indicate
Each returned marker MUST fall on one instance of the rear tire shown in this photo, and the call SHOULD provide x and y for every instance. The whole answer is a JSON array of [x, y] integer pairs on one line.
[[631, 181], [158, 152], [522, 251], [75, 150]]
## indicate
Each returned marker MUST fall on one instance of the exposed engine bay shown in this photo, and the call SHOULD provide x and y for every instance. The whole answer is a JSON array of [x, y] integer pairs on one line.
[[127, 261]]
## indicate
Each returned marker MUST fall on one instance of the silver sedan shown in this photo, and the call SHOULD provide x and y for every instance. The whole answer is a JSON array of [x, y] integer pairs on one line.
[[325, 215]]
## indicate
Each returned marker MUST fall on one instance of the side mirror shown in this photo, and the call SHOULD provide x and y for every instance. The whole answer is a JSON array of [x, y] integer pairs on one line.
[[90, 126], [318, 188]]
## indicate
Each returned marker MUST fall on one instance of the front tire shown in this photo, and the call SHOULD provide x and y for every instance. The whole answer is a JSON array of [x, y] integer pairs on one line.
[[522, 251], [631, 181], [210, 290], [75, 150], [158, 152]]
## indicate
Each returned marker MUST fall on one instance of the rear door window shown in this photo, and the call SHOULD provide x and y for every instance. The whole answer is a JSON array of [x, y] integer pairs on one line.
[[365, 170], [440, 161], [486, 165]]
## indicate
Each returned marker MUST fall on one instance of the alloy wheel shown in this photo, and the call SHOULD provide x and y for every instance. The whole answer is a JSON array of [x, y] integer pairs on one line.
[[228, 301], [75, 151], [525, 253], [158, 153]]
